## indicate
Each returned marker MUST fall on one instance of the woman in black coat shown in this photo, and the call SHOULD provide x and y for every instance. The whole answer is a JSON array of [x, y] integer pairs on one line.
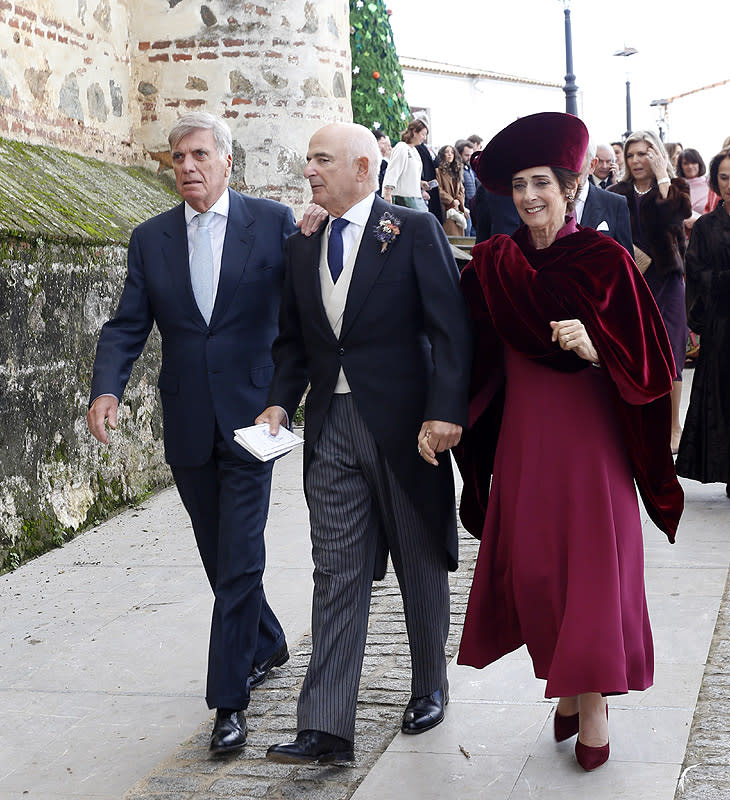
[[704, 452], [658, 205]]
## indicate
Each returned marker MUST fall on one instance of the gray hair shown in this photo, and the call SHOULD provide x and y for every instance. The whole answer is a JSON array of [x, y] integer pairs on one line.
[[591, 150], [197, 120]]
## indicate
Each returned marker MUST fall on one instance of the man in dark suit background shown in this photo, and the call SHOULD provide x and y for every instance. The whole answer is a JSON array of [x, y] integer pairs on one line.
[[209, 274], [596, 208], [372, 317]]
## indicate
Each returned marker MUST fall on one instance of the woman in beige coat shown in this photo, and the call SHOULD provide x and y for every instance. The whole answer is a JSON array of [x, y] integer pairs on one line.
[[451, 191]]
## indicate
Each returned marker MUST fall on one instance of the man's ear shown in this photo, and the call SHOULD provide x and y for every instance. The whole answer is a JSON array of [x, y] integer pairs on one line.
[[594, 161], [362, 166]]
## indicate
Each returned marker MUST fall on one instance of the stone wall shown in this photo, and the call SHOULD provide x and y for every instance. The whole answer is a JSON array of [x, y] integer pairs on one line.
[[276, 71], [64, 76], [62, 263], [108, 78]]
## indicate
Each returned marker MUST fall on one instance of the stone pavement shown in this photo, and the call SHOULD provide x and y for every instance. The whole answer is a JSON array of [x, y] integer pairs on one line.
[[103, 653]]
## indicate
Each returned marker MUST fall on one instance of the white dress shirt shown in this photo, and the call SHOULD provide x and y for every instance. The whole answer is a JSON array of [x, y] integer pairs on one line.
[[580, 202], [334, 295]]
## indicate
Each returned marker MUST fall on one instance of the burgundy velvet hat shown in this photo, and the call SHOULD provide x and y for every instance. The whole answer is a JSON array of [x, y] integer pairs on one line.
[[550, 138]]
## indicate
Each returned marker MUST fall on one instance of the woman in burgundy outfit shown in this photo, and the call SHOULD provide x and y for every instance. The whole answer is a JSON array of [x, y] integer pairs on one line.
[[570, 407]]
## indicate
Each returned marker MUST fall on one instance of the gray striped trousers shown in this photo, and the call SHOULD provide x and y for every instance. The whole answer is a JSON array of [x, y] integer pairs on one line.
[[352, 495]]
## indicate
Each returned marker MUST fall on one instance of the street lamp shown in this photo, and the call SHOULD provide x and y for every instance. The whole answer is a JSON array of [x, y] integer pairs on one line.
[[626, 52], [570, 89]]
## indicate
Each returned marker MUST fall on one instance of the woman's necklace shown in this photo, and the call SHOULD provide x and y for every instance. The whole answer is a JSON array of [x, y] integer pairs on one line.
[[641, 194]]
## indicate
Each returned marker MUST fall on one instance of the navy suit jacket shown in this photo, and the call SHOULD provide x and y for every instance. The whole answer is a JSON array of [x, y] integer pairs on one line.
[[601, 206], [210, 373], [405, 346]]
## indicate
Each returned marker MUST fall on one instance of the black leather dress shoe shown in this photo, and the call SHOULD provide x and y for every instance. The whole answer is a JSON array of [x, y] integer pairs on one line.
[[424, 713], [229, 731], [259, 671], [310, 747]]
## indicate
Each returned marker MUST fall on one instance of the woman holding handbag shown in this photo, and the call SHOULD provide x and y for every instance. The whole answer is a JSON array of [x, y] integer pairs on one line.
[[451, 191]]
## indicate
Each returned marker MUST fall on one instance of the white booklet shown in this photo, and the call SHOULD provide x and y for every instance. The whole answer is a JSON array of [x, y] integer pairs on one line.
[[260, 443]]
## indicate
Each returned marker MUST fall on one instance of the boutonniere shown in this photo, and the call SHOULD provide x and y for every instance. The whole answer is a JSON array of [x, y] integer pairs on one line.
[[387, 230]]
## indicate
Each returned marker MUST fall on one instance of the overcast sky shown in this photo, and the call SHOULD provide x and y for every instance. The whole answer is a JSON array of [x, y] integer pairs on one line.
[[682, 45]]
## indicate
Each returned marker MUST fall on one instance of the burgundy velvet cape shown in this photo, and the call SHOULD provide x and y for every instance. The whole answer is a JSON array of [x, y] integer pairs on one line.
[[513, 292]]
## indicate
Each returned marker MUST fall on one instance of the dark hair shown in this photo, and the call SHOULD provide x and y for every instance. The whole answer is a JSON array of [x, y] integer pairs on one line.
[[414, 126], [567, 181], [715, 168], [455, 167], [461, 144], [691, 156], [617, 144], [378, 134], [475, 138]]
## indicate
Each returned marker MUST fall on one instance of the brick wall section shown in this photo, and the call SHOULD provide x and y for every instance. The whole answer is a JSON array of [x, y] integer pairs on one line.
[[276, 72], [108, 78], [64, 76]]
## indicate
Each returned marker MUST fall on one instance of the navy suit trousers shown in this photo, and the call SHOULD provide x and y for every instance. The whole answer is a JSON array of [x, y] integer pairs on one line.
[[227, 499]]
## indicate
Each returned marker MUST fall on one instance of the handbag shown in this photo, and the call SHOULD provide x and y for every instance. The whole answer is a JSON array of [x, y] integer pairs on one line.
[[456, 215]]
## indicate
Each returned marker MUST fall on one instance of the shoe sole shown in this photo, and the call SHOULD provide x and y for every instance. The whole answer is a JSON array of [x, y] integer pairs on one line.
[[279, 663], [327, 758]]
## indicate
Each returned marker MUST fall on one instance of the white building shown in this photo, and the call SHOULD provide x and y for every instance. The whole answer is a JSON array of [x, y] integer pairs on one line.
[[459, 101]]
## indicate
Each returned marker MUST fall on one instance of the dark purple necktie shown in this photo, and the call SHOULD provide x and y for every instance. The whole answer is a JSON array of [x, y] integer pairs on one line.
[[335, 249]]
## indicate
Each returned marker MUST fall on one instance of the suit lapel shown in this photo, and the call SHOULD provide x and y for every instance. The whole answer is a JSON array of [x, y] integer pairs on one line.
[[309, 249], [368, 265], [175, 253], [588, 220], [237, 245]]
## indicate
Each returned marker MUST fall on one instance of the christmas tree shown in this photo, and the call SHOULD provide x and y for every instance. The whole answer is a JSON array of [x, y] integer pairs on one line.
[[378, 100]]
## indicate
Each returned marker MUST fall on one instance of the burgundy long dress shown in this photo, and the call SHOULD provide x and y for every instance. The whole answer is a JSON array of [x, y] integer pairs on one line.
[[560, 566]]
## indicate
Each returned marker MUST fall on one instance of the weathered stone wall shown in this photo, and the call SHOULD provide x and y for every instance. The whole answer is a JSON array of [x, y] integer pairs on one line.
[[276, 71], [108, 78], [64, 76], [62, 264]]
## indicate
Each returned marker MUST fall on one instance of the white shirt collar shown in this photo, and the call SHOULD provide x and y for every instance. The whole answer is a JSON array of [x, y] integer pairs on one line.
[[359, 213], [583, 193], [221, 206]]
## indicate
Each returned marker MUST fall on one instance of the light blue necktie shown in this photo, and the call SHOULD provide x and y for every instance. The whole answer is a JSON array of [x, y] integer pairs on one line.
[[201, 266], [335, 248]]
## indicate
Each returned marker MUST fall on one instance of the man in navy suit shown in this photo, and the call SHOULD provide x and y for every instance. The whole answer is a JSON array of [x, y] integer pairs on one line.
[[596, 208], [212, 284], [373, 319]]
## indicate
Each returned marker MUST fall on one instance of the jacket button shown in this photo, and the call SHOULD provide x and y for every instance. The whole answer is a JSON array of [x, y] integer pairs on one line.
[[341, 351]]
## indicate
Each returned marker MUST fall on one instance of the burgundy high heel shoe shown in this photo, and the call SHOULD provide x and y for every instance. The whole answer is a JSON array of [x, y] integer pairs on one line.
[[592, 757], [565, 727]]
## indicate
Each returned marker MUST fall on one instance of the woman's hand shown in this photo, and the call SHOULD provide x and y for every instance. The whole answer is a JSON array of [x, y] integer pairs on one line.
[[571, 334], [658, 161]]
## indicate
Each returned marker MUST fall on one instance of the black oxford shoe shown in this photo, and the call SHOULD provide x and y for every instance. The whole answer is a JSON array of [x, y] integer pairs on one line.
[[229, 731], [259, 672], [310, 747], [424, 713]]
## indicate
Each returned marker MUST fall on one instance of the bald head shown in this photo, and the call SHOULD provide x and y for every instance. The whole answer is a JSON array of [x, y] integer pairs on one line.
[[343, 160]]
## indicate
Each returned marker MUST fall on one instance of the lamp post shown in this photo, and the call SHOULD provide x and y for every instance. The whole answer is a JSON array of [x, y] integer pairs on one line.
[[570, 89], [626, 52]]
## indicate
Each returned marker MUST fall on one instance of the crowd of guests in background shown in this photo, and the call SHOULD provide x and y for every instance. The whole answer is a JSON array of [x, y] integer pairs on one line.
[[663, 190]]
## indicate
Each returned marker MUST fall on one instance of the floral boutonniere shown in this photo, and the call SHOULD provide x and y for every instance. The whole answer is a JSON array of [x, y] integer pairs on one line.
[[387, 230]]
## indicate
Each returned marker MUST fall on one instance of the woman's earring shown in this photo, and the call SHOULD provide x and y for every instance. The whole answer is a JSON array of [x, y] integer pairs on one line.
[[569, 197]]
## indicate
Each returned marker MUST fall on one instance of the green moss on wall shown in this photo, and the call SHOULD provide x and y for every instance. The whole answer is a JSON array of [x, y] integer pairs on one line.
[[55, 194]]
